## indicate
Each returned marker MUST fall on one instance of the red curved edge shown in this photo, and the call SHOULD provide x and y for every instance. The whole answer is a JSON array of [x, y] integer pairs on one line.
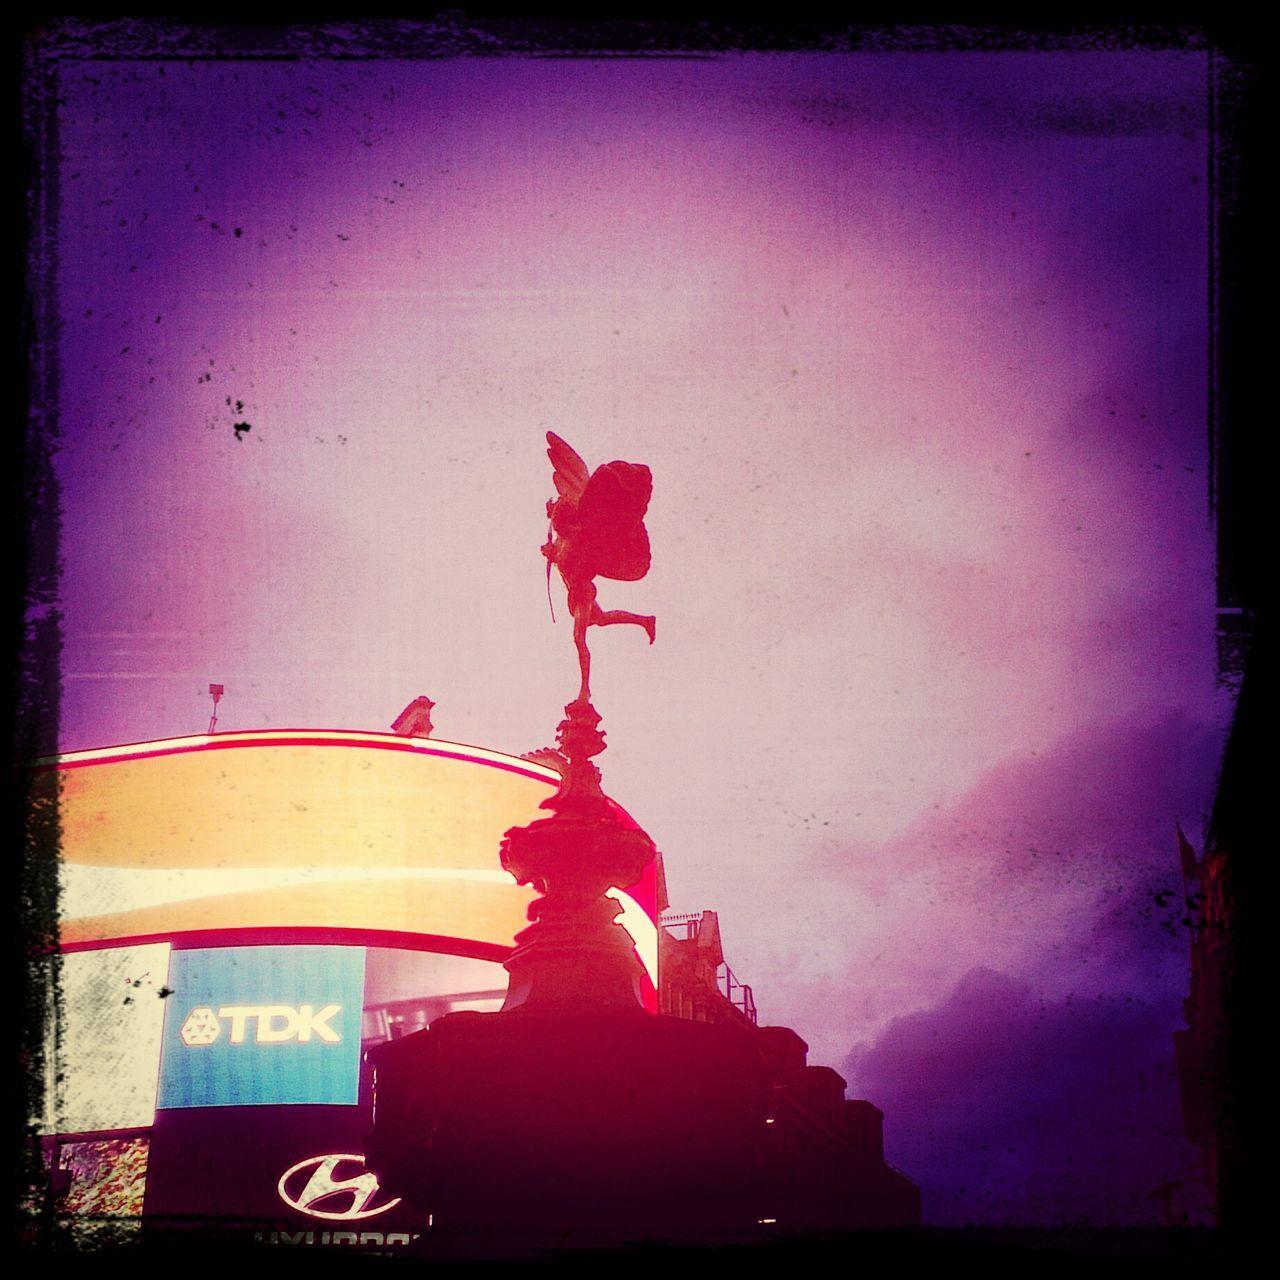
[[295, 741], [440, 944], [197, 939], [312, 738]]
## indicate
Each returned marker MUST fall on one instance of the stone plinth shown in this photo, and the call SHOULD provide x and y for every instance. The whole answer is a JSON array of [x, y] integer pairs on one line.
[[544, 1130]]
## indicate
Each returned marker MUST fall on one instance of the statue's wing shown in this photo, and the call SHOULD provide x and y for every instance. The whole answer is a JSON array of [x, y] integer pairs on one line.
[[570, 473], [626, 558], [611, 512]]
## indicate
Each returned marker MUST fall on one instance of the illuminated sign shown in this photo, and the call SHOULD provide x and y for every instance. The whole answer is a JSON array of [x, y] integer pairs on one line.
[[283, 833], [276, 1024], [362, 1238], [294, 1175], [291, 830], [252, 1026], [314, 1187]]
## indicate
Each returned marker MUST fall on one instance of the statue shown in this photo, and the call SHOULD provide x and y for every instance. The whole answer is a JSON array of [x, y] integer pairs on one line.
[[597, 531], [573, 954]]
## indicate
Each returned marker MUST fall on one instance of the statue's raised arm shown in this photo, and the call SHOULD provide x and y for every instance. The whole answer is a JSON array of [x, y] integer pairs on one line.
[[597, 531]]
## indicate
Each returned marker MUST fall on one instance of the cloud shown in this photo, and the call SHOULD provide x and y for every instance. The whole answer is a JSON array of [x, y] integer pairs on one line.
[[1101, 785], [1013, 1109], [1058, 868]]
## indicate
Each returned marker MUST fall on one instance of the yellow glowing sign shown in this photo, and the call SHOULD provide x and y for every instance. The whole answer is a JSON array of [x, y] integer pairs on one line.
[[280, 830]]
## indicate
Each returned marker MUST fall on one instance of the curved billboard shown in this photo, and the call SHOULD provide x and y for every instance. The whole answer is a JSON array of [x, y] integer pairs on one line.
[[301, 834], [242, 915]]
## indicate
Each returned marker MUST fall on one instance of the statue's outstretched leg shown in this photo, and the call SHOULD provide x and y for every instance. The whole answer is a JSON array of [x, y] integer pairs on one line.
[[613, 617], [584, 660], [582, 606]]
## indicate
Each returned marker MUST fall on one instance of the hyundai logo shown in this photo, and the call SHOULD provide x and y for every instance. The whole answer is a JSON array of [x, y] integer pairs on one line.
[[312, 1186]]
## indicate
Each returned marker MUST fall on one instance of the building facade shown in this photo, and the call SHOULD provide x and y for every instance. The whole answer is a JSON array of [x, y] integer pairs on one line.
[[822, 1154]]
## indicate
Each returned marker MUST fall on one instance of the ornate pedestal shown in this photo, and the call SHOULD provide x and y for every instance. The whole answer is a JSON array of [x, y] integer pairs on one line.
[[574, 956]]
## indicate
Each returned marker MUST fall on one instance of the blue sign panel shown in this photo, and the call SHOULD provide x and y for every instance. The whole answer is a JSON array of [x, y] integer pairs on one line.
[[249, 1026]]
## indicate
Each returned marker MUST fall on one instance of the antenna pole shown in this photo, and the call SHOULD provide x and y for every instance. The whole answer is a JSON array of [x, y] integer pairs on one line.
[[215, 692]]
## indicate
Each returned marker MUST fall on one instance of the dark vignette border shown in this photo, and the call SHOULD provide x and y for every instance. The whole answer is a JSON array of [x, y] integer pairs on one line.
[[31, 699], [1235, 101]]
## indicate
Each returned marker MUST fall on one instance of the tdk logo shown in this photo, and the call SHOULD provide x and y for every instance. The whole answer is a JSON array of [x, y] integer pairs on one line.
[[201, 1027], [272, 1024], [263, 1026]]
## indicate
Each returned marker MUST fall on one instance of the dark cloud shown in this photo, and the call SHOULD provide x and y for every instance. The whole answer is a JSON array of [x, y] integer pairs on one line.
[[1012, 1105], [1011, 1109], [1082, 848], [1059, 866], [1110, 792]]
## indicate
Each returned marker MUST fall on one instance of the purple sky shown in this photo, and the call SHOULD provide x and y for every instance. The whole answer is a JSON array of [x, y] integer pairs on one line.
[[915, 346]]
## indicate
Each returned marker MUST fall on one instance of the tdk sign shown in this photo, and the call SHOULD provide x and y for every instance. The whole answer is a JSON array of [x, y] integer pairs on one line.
[[276, 1023], [250, 1026]]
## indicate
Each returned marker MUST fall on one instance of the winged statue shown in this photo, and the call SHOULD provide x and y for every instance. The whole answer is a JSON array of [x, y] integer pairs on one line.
[[597, 531]]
